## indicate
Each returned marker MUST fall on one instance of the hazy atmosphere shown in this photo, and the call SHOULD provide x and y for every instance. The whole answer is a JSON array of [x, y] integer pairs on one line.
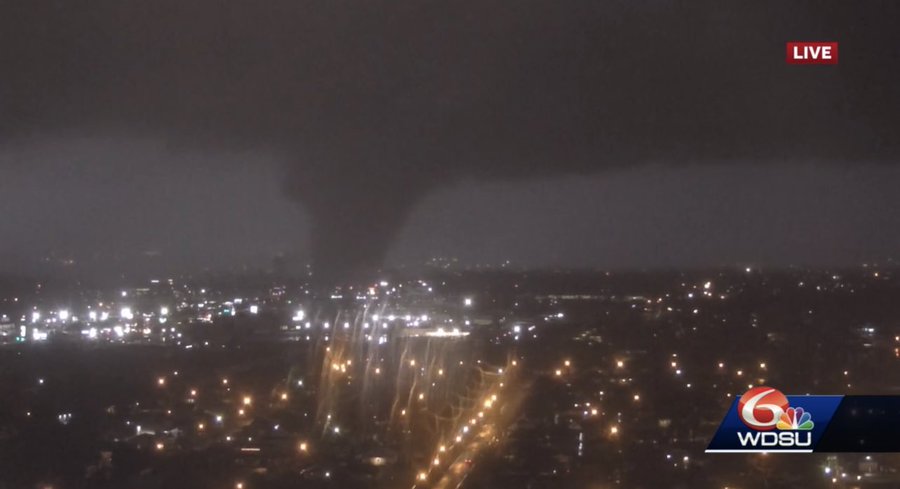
[[405, 130]]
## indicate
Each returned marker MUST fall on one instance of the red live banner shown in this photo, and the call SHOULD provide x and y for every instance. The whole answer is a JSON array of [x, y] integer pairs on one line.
[[812, 53]]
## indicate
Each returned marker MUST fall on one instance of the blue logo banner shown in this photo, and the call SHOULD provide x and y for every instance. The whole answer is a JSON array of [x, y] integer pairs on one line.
[[797, 428]]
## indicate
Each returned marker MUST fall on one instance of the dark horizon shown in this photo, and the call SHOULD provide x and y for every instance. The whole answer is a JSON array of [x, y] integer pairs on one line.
[[633, 222]]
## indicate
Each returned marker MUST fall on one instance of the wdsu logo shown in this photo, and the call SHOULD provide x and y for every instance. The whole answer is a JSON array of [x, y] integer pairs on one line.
[[765, 420], [764, 409]]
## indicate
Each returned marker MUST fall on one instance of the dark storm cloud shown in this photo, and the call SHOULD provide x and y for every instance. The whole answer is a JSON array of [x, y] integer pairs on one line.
[[128, 206], [377, 103], [663, 216]]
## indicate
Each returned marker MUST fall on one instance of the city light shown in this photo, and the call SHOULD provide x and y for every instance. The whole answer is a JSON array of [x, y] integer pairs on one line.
[[448, 393]]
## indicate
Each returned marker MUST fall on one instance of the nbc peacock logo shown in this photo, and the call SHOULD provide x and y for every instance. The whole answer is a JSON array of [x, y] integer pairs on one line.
[[795, 419]]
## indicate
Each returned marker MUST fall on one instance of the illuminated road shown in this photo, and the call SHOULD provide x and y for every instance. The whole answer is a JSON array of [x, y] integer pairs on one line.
[[481, 434]]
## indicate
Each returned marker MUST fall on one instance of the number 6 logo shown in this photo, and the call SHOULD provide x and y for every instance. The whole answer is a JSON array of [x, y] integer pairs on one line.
[[760, 407]]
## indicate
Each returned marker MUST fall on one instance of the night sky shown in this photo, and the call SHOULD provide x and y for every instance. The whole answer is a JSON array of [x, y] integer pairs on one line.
[[174, 136]]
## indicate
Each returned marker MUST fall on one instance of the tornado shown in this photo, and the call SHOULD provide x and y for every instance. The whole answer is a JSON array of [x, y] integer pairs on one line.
[[355, 217]]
